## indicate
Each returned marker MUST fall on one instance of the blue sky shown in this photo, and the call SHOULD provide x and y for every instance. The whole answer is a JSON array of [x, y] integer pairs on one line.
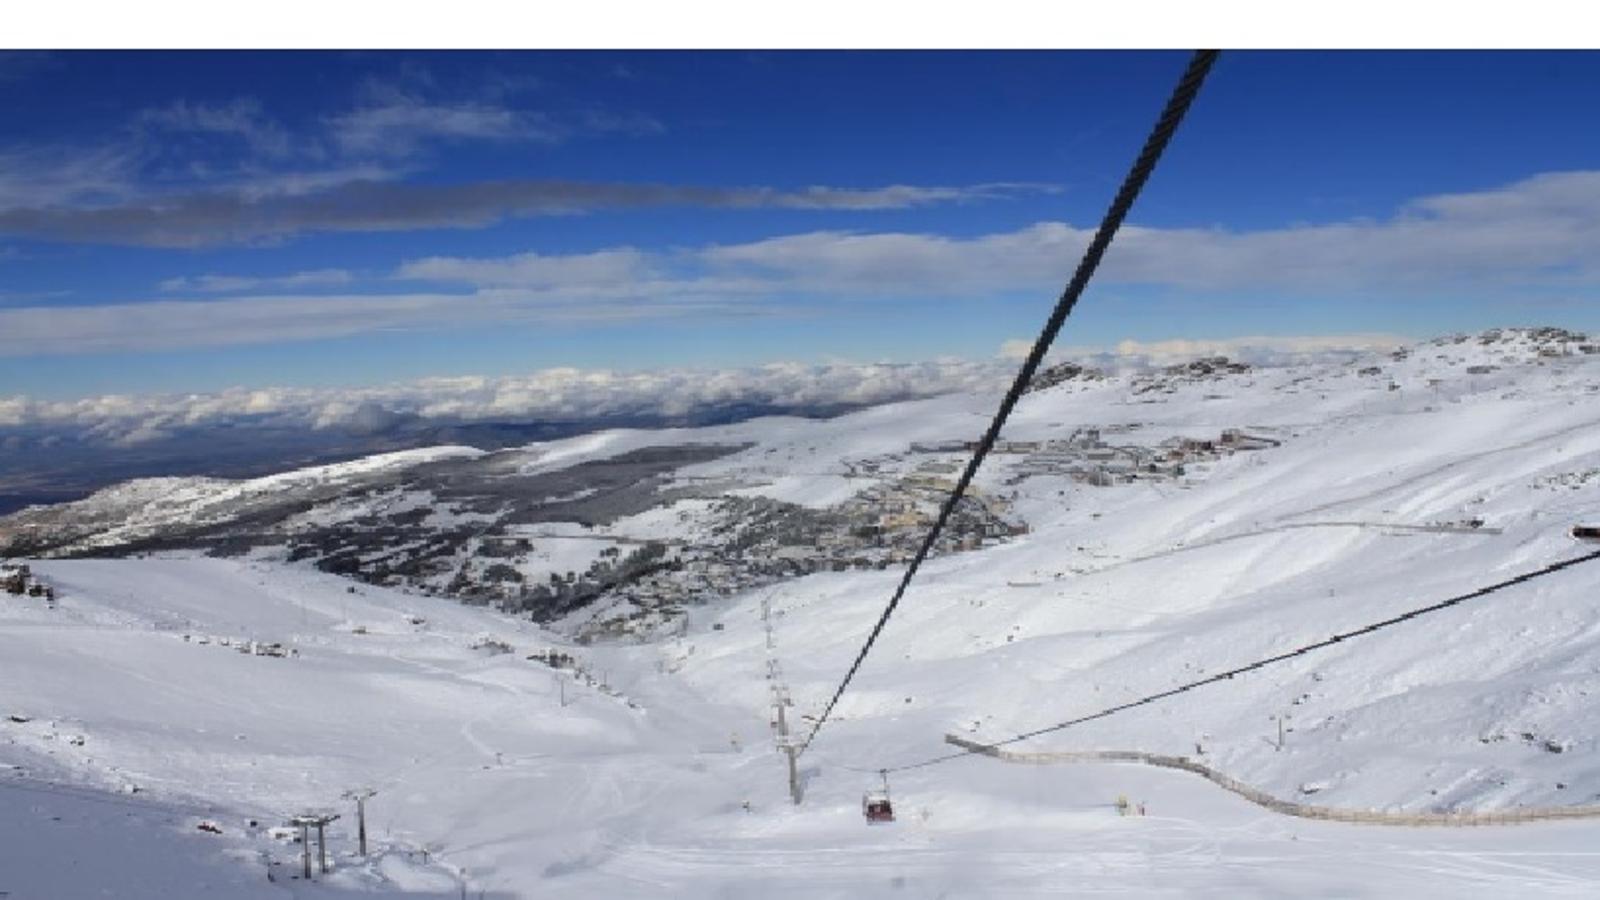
[[175, 222]]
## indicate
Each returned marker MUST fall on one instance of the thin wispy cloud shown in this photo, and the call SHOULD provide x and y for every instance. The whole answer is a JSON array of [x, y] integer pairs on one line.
[[212, 217], [242, 118], [392, 121], [263, 319], [229, 284], [615, 267], [172, 324], [255, 186], [396, 127], [49, 176], [191, 173]]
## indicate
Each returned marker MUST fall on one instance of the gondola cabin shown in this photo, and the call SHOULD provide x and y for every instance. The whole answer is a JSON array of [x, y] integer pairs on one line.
[[876, 807], [1588, 533]]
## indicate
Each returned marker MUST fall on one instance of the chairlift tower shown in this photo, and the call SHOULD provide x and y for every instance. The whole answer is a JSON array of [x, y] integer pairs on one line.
[[789, 745], [361, 796], [306, 821]]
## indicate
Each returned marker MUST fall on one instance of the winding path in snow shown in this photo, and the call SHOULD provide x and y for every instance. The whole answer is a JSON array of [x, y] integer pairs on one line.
[[1267, 801]]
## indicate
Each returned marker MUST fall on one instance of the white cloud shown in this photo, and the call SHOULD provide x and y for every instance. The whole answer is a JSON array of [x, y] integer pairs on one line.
[[1543, 227], [895, 196], [242, 118], [363, 199], [257, 186], [1258, 349], [45, 176], [1016, 349], [533, 270], [1539, 230], [227, 284], [597, 395], [1274, 350], [1531, 234], [153, 169], [396, 127], [169, 324], [173, 324], [393, 120]]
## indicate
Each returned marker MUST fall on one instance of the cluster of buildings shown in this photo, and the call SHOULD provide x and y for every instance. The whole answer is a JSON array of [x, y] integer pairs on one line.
[[247, 647], [902, 510], [1086, 457], [17, 579], [763, 541]]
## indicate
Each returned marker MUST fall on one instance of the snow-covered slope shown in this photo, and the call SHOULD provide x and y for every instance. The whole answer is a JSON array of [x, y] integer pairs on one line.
[[150, 507], [652, 786], [1345, 494]]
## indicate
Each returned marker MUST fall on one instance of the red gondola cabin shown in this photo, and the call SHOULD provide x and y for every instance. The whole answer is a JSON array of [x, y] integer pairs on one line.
[[877, 808]]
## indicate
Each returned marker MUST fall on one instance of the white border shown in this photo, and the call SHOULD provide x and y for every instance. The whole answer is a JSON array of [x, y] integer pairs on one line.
[[852, 24]]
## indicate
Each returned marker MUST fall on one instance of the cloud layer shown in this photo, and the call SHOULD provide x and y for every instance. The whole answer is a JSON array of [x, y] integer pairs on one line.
[[559, 395], [51, 451], [577, 395], [1539, 229], [1535, 234]]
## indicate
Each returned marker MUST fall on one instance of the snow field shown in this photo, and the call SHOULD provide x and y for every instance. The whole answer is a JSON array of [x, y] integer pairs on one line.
[[639, 789]]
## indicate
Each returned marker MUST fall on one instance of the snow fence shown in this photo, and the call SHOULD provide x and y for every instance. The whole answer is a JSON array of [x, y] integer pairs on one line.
[[1288, 808]]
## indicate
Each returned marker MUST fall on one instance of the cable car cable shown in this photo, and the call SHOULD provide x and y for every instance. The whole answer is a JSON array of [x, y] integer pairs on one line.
[[1261, 663], [1177, 105]]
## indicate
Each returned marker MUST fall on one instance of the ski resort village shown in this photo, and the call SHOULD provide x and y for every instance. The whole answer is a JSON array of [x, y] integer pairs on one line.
[[1322, 626]]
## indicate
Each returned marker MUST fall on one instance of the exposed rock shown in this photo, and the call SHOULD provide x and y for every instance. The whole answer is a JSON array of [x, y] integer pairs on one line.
[[1060, 373]]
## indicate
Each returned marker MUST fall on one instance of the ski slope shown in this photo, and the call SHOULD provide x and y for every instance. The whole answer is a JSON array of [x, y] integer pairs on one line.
[[512, 794], [658, 777]]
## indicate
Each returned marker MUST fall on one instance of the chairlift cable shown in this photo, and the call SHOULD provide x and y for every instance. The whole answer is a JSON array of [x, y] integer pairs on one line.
[[1407, 616]]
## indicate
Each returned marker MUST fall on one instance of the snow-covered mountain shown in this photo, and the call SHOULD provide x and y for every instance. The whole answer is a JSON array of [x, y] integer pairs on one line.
[[644, 524], [1134, 531]]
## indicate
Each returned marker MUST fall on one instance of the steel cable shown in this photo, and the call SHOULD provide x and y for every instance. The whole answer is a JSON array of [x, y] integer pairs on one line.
[[1177, 105], [1261, 663]]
